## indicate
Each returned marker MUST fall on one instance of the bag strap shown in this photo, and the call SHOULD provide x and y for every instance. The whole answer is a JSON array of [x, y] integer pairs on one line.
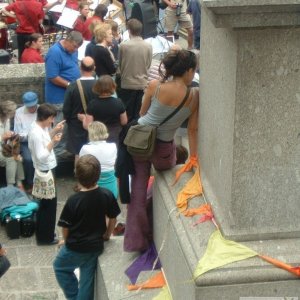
[[83, 102], [177, 108]]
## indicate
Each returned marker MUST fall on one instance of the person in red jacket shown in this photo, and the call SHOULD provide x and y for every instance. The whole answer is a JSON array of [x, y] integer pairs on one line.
[[84, 11], [73, 4], [98, 17], [30, 15], [32, 52]]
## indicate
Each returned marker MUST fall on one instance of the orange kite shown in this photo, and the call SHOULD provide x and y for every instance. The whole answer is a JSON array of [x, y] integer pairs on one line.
[[156, 281]]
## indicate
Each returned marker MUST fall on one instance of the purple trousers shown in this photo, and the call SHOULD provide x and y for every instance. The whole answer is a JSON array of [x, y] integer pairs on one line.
[[138, 229]]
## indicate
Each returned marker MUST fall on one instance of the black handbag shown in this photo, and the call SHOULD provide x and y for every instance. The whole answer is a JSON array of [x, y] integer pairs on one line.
[[4, 265], [140, 139]]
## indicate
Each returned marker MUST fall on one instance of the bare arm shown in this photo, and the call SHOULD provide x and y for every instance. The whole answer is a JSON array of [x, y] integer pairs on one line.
[[123, 118], [110, 227], [65, 233], [50, 5], [7, 13], [60, 81], [193, 124], [170, 4]]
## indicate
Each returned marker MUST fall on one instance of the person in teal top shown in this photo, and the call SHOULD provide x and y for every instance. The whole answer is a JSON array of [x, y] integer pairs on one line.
[[105, 152]]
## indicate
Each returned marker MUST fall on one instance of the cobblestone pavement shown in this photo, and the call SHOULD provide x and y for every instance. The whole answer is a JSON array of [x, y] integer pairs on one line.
[[31, 275]]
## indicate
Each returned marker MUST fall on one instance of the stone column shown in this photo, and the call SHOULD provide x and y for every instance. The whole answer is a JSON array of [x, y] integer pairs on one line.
[[250, 116], [249, 149], [250, 123]]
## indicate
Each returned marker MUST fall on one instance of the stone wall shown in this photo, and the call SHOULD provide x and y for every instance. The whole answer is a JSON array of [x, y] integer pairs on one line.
[[16, 79]]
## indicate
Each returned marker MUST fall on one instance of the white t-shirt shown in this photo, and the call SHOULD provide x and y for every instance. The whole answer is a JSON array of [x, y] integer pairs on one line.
[[38, 139], [23, 121], [106, 153]]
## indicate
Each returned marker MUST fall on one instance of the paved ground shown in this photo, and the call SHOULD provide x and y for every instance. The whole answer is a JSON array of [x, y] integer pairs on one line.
[[31, 275]]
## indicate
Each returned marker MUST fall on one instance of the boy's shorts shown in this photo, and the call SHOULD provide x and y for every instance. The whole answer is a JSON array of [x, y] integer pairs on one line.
[[171, 19]]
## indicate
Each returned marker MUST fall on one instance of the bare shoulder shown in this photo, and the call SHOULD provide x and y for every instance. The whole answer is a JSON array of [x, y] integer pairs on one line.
[[194, 97], [152, 85]]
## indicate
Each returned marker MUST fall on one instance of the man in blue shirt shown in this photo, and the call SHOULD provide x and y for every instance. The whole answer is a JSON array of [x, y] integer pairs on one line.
[[195, 10], [61, 64]]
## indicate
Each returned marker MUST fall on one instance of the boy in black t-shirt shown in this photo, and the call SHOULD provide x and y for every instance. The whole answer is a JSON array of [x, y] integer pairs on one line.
[[83, 222]]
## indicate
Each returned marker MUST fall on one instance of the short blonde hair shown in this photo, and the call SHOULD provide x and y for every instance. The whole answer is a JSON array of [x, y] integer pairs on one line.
[[7, 109], [100, 31], [104, 85], [97, 131]]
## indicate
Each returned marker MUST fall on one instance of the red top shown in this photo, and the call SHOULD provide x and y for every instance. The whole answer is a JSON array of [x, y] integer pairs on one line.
[[79, 24], [73, 4], [31, 55], [28, 14], [44, 2], [87, 34]]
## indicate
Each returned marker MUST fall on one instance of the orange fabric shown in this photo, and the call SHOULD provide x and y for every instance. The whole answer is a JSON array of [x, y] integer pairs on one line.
[[192, 188], [282, 265], [156, 281], [202, 209], [193, 162]]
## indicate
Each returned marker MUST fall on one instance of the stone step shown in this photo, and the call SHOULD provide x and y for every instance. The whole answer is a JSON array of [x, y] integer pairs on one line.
[[111, 281], [184, 245]]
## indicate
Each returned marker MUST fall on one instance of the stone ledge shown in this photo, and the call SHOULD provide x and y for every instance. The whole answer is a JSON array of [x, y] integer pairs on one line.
[[187, 245], [254, 13], [17, 71], [111, 281], [15, 79]]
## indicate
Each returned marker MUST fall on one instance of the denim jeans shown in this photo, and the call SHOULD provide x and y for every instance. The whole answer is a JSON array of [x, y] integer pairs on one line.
[[27, 163], [64, 265]]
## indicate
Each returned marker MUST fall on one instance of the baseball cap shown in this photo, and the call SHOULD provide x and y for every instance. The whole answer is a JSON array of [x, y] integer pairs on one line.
[[30, 99]]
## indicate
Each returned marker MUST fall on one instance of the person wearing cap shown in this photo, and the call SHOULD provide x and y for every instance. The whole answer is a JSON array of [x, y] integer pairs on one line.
[[24, 117], [13, 167]]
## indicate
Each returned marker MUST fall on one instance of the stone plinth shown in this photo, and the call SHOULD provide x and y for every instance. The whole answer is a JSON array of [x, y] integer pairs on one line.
[[250, 120], [16, 79], [249, 149]]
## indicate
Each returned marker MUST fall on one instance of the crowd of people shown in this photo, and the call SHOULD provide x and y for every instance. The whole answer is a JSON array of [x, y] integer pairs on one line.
[[88, 108]]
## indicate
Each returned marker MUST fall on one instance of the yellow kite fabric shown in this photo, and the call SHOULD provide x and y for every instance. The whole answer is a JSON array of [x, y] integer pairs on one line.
[[192, 188], [156, 281], [163, 295], [220, 252]]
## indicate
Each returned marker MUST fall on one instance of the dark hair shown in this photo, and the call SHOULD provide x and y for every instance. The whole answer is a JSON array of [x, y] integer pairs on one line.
[[100, 11], [32, 38], [87, 68], [45, 111], [176, 63], [105, 84], [87, 170], [135, 27], [181, 154]]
